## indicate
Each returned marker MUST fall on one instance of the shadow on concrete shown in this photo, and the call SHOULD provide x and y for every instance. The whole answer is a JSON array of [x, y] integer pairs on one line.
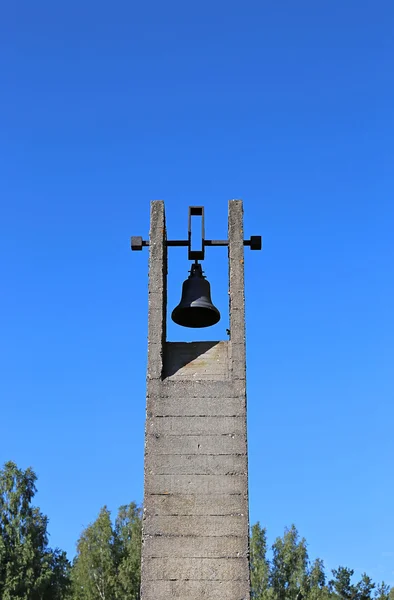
[[180, 357]]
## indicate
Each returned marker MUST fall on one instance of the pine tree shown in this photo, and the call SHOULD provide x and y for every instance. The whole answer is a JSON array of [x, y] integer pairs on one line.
[[382, 591], [364, 588], [342, 585]]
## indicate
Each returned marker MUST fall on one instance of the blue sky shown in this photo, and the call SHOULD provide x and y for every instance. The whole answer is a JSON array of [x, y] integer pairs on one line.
[[288, 105]]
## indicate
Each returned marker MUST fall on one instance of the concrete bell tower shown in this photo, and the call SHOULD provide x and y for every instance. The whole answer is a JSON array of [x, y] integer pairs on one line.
[[195, 520]]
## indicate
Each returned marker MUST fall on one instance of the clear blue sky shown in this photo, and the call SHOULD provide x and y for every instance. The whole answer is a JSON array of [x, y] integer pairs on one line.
[[288, 105]]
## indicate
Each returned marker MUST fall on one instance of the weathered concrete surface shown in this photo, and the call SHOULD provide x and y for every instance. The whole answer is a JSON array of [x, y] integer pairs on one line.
[[193, 504], [218, 569], [195, 407], [195, 464], [195, 484], [168, 388], [196, 444], [199, 425], [207, 547], [195, 525], [195, 589], [199, 526], [196, 361]]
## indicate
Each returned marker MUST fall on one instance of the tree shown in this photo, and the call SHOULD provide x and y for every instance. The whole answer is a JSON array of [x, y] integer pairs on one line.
[[94, 569], [289, 576], [317, 581], [107, 565], [29, 569], [382, 591], [317, 576], [364, 588], [128, 550], [259, 565], [342, 585], [60, 584]]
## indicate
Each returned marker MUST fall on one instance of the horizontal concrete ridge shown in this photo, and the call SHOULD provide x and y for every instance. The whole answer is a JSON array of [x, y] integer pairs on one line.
[[195, 590], [195, 407], [202, 504], [192, 547], [196, 444], [206, 526], [194, 484], [196, 389], [218, 569], [185, 464], [195, 425]]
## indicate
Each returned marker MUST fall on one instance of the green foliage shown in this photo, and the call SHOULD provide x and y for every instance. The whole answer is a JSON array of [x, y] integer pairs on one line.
[[317, 576], [342, 585], [364, 588], [60, 584], [29, 569], [259, 565], [382, 591], [317, 589], [289, 576], [128, 551], [107, 565], [94, 570]]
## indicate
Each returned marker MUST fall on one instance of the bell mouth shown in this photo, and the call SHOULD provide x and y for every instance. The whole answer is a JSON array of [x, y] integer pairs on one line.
[[195, 316]]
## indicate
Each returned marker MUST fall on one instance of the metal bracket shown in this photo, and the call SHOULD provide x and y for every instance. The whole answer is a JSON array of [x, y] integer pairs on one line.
[[254, 243], [196, 211], [137, 243]]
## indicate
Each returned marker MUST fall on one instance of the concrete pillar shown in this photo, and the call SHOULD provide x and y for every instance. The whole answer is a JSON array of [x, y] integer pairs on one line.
[[195, 523]]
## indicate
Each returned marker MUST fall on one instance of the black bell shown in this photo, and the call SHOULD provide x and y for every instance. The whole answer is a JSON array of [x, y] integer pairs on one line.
[[195, 308]]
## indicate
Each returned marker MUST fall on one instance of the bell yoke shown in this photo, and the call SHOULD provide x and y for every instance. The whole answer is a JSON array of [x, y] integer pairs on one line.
[[196, 308]]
